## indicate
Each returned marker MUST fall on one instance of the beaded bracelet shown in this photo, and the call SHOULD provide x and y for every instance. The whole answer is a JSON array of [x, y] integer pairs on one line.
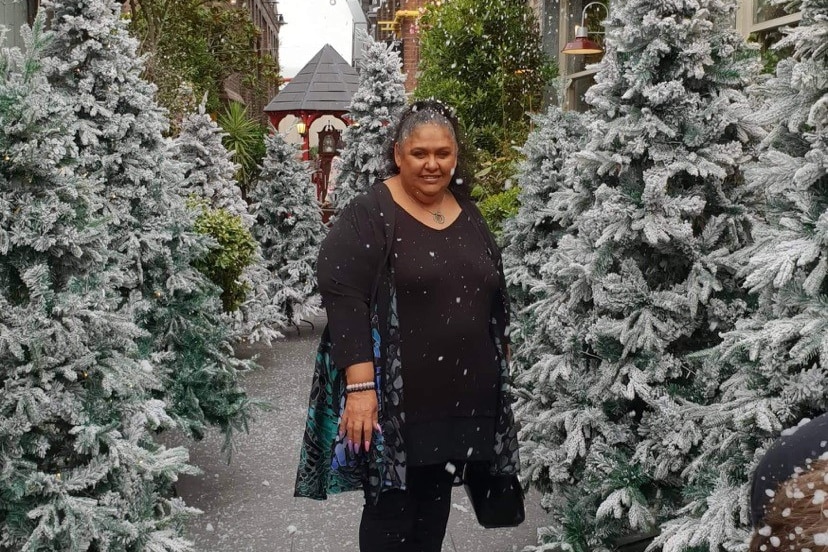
[[357, 387]]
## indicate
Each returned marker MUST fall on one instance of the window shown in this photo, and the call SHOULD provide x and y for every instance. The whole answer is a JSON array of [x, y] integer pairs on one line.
[[767, 10], [761, 21], [760, 15]]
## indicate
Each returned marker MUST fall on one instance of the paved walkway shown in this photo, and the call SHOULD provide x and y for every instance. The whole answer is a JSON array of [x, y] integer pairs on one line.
[[249, 506]]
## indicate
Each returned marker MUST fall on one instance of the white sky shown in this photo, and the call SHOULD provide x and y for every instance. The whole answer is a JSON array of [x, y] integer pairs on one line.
[[310, 25]]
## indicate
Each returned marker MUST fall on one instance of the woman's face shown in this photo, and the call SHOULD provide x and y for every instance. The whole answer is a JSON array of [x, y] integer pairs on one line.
[[427, 159]]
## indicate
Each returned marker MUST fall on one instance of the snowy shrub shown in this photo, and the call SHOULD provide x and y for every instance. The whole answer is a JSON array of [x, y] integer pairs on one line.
[[771, 368], [120, 133], [79, 409], [210, 172]]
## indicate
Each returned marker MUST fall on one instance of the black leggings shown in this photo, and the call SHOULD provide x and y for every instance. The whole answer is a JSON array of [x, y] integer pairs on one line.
[[413, 520]]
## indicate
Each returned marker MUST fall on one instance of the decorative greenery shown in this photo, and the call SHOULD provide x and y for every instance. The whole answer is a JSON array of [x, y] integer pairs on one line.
[[199, 44], [245, 138], [226, 262], [497, 197], [498, 207], [82, 468], [288, 228], [485, 59], [495, 171], [620, 253]]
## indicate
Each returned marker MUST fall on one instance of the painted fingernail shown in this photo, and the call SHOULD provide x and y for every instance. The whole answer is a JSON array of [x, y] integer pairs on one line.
[[378, 428], [367, 445]]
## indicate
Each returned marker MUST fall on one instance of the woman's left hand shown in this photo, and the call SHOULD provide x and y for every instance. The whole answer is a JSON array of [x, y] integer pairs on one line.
[[360, 418]]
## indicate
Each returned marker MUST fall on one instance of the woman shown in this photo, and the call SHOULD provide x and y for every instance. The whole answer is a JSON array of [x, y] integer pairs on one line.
[[413, 286]]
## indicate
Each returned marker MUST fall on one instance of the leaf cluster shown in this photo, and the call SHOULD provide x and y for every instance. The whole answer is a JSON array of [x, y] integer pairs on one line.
[[498, 207], [201, 44], [245, 138], [225, 263]]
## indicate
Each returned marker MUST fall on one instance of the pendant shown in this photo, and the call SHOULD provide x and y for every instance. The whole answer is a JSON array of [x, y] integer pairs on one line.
[[438, 218]]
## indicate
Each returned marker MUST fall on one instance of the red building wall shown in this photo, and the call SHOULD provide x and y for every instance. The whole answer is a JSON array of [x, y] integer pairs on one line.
[[407, 34]]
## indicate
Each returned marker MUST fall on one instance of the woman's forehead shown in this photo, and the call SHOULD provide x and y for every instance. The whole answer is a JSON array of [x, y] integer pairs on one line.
[[430, 132]]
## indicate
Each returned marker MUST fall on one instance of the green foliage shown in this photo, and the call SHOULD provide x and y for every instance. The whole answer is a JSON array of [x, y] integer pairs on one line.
[[495, 171], [234, 252], [202, 44], [485, 59], [245, 138], [497, 198], [769, 55], [499, 206]]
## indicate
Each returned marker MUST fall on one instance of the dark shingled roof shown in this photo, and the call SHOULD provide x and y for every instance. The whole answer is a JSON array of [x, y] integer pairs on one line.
[[326, 83]]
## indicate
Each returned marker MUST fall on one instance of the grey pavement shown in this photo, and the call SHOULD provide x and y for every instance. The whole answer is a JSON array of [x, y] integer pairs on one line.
[[248, 505]]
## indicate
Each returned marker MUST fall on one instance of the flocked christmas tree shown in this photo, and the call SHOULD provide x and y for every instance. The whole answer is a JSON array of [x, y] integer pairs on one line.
[[378, 99], [772, 369], [210, 171], [638, 280], [289, 229], [547, 197], [81, 470], [238, 267], [120, 133]]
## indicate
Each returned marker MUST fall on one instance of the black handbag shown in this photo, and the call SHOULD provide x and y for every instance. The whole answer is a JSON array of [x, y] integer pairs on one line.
[[497, 499]]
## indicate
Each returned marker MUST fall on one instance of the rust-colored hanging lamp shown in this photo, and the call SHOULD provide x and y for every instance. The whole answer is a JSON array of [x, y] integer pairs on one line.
[[583, 45]]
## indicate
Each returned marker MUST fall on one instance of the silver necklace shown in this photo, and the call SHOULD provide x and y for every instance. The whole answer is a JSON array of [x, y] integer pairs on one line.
[[438, 217]]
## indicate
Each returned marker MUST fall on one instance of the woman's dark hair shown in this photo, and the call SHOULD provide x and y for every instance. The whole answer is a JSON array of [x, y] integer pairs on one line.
[[430, 112]]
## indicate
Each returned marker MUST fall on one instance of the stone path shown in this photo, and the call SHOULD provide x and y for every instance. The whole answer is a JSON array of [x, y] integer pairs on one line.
[[248, 505]]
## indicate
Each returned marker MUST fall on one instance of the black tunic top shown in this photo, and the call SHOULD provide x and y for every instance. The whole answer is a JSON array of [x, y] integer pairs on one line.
[[446, 288], [358, 290]]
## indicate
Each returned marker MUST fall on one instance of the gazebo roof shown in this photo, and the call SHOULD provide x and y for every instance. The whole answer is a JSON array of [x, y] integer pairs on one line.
[[326, 84]]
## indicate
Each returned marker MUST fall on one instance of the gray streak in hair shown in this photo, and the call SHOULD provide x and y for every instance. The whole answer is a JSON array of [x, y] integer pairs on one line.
[[424, 117]]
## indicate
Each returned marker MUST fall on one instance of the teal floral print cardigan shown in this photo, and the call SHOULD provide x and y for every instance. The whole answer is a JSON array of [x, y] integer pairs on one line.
[[356, 279]]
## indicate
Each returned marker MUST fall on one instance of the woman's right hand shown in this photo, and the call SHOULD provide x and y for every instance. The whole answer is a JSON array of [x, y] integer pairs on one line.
[[359, 420]]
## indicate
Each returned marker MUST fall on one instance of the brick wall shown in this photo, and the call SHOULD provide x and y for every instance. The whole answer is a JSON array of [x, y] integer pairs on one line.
[[407, 35], [411, 45]]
